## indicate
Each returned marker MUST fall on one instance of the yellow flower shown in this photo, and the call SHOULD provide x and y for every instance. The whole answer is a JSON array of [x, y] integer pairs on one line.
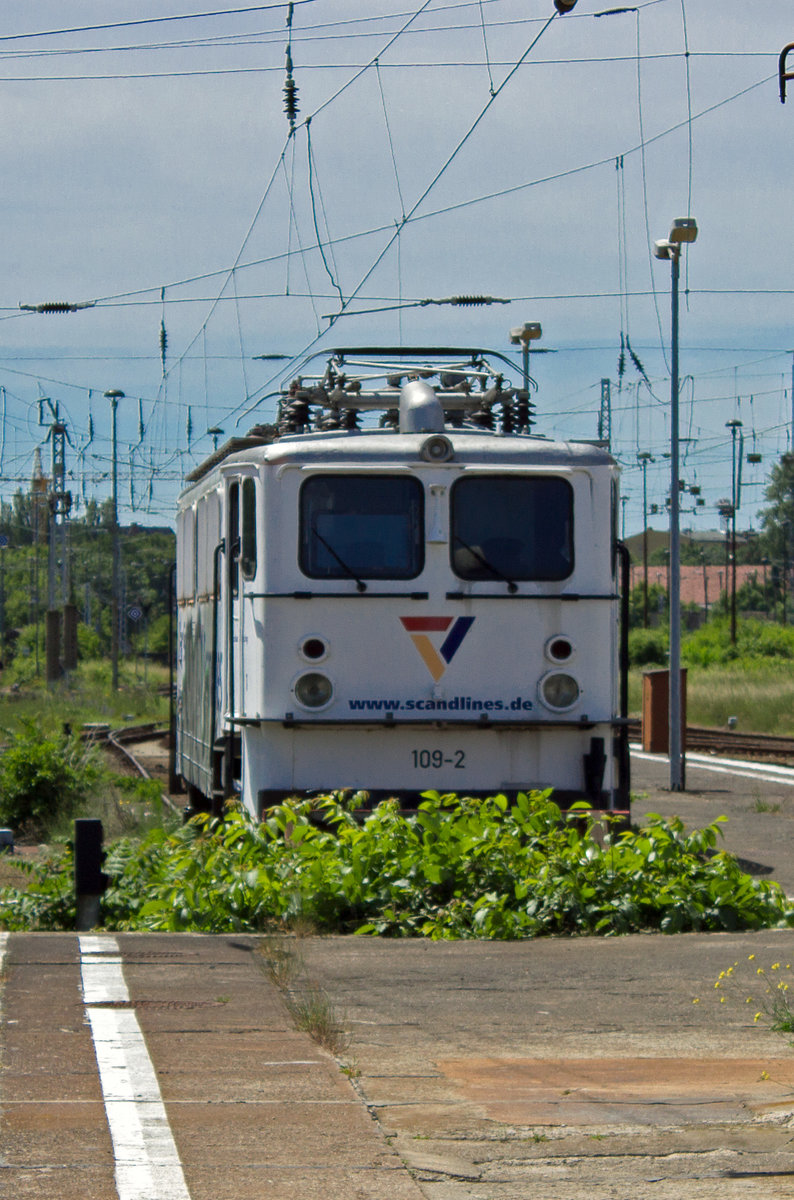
[[757, 1017], [764, 1074], [717, 984], [775, 966], [696, 1000], [750, 957], [759, 970], [721, 975], [723, 999]]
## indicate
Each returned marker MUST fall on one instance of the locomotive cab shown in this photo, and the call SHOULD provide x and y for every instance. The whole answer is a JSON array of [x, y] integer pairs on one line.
[[433, 603]]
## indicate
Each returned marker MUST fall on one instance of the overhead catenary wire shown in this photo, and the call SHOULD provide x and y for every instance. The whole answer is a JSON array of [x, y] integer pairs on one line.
[[595, 164], [450, 159], [237, 295]]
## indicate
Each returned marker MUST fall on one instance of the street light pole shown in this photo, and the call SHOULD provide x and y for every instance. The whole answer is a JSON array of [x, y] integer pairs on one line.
[[683, 230], [524, 334], [734, 427], [114, 396], [645, 457]]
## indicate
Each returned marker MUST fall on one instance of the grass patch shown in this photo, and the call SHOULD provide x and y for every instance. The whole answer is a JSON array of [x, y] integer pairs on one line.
[[761, 697], [752, 680], [86, 697], [764, 806]]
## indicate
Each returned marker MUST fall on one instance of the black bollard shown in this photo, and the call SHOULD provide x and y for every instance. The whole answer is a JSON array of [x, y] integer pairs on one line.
[[90, 880]]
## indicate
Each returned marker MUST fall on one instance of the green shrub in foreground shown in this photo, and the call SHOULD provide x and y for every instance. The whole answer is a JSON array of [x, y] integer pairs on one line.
[[44, 778], [458, 868]]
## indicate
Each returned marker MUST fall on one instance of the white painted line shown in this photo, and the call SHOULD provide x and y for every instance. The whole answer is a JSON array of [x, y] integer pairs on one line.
[[103, 979], [726, 766], [91, 943], [3, 946], [147, 1161]]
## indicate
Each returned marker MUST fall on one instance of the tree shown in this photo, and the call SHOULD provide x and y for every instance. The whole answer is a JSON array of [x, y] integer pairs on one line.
[[777, 519]]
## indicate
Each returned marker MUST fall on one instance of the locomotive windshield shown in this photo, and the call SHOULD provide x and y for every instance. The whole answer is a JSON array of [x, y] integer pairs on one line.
[[514, 527], [362, 526]]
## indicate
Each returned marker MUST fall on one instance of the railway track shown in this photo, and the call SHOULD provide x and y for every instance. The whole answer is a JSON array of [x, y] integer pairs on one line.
[[125, 745], [762, 747]]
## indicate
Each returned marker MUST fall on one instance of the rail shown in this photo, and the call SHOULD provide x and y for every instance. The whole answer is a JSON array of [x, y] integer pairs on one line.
[[119, 741], [763, 746]]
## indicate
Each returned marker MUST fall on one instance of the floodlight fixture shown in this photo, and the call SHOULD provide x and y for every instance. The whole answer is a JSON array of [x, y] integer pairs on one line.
[[529, 332], [684, 229]]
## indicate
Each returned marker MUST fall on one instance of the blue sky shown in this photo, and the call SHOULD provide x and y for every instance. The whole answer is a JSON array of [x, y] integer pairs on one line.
[[148, 171]]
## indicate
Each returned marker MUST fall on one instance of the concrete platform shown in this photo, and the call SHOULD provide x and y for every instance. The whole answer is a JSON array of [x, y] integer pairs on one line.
[[255, 1108], [553, 1069]]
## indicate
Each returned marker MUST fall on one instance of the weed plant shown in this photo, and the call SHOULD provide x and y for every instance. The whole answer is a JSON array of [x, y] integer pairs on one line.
[[458, 868], [764, 992], [307, 1002]]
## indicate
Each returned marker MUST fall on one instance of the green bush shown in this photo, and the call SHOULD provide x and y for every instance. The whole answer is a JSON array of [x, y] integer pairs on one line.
[[44, 779], [458, 868], [648, 647], [756, 642]]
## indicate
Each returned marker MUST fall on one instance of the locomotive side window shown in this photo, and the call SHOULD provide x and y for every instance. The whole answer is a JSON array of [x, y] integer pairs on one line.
[[186, 530], [361, 526], [512, 527], [248, 533], [234, 537]]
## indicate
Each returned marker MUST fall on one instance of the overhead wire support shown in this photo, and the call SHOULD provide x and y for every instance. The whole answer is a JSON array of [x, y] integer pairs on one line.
[[290, 95], [163, 333], [290, 86], [454, 301], [312, 173]]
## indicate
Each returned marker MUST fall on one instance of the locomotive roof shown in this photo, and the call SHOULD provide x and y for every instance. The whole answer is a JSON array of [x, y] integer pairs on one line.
[[472, 447], [483, 419]]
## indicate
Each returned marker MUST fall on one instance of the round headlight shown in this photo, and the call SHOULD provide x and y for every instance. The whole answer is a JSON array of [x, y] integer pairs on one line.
[[559, 691], [313, 690]]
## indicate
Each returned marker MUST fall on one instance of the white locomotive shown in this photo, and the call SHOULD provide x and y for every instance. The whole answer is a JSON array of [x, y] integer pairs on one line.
[[438, 602]]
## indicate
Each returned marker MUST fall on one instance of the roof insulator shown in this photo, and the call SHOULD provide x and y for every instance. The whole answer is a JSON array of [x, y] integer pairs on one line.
[[57, 306], [473, 301], [290, 95]]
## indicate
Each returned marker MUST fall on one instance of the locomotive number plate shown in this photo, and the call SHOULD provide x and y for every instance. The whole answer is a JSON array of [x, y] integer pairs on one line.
[[437, 758]]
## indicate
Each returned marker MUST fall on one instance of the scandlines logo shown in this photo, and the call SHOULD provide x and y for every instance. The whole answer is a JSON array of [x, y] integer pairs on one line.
[[437, 657]]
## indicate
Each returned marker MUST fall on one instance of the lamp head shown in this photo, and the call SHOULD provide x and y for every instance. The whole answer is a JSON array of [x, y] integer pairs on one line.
[[663, 249], [564, 6], [525, 333], [684, 229]]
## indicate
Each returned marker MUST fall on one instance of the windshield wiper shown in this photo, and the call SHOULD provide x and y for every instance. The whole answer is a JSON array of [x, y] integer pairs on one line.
[[511, 585], [351, 574]]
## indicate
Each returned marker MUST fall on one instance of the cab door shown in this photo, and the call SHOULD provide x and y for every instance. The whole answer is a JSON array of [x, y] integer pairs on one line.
[[241, 562]]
